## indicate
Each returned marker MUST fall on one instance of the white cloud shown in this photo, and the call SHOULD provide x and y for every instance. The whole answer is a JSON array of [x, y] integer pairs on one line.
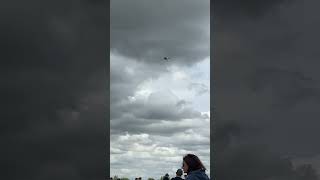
[[159, 109]]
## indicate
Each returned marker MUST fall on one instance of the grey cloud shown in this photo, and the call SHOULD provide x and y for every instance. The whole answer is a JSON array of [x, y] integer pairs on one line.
[[266, 84], [182, 103], [233, 9], [142, 33], [124, 84], [246, 75], [140, 118], [48, 67], [150, 31], [289, 87], [199, 87], [160, 105], [234, 160]]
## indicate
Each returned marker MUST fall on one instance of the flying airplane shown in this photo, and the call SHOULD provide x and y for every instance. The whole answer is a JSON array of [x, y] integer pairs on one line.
[[166, 58]]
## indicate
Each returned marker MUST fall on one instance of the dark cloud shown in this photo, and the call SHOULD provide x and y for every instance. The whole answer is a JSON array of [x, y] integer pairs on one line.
[[53, 68], [135, 117], [266, 89], [288, 87], [233, 9], [149, 31], [253, 160]]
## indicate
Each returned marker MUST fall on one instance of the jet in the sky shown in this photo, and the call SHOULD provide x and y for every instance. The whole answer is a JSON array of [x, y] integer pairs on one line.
[[166, 58]]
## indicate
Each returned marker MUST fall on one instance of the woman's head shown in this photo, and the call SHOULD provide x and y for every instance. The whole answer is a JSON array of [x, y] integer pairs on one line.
[[191, 163]]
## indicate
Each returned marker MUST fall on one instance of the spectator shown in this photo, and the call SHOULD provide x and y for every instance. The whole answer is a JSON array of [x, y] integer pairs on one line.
[[178, 175], [166, 177], [194, 168]]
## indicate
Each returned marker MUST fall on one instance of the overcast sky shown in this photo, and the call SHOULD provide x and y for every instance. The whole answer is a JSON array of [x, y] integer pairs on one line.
[[266, 72], [53, 89], [159, 109]]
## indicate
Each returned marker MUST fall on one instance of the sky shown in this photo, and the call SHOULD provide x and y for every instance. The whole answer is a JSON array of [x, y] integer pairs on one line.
[[160, 110], [54, 84], [53, 89], [266, 88]]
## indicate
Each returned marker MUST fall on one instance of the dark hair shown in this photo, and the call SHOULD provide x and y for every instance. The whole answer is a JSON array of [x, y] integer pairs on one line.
[[166, 177], [193, 163], [179, 172]]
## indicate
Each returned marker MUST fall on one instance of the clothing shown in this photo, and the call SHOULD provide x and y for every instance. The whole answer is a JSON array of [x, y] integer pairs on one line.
[[197, 175], [176, 178]]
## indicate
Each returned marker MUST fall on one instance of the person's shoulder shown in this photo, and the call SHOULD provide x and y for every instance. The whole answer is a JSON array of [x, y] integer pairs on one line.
[[176, 178], [205, 176], [190, 177]]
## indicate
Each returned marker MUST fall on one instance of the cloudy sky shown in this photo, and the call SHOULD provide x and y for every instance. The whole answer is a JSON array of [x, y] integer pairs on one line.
[[54, 85], [53, 89], [266, 88], [159, 109]]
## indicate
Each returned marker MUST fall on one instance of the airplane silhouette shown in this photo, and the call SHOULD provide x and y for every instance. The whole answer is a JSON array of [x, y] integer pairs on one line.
[[166, 58]]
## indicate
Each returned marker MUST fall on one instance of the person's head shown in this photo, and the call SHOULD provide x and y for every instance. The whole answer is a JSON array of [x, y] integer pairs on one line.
[[191, 163], [139, 178], [179, 172], [166, 176]]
